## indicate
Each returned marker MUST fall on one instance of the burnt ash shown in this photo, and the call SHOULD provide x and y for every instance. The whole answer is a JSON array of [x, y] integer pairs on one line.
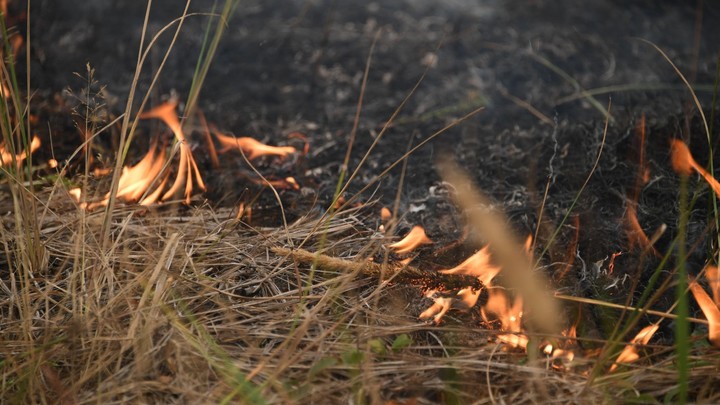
[[287, 66]]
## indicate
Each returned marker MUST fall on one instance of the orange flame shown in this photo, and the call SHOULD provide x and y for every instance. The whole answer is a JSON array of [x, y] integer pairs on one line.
[[630, 354], [564, 354], [711, 311], [683, 163], [477, 265], [187, 168], [6, 157], [252, 148], [510, 317], [713, 277], [412, 240], [385, 214], [463, 300], [136, 180]]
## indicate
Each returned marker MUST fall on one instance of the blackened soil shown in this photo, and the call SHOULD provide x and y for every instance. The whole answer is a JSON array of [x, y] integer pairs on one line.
[[296, 66]]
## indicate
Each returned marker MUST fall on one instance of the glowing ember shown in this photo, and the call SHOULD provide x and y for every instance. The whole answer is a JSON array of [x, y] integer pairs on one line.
[[251, 147], [630, 354], [477, 265], [187, 169], [711, 311], [510, 317], [683, 163], [288, 183], [412, 240]]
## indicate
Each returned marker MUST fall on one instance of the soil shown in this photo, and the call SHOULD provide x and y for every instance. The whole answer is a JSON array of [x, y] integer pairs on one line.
[[289, 66]]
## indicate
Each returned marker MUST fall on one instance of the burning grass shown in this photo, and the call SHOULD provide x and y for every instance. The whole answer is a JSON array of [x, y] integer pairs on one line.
[[153, 301]]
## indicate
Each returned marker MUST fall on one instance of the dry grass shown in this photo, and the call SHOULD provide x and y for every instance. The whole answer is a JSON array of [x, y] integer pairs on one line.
[[193, 306]]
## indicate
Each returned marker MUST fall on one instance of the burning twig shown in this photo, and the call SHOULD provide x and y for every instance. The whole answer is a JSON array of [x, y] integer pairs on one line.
[[398, 272]]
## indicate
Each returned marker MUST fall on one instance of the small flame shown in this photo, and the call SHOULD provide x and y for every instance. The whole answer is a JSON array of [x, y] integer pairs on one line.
[[187, 168], [711, 311], [683, 163], [510, 317], [6, 157], [385, 214], [412, 240], [75, 193], [463, 300], [251, 147], [713, 277], [136, 180], [630, 354], [477, 265], [563, 354]]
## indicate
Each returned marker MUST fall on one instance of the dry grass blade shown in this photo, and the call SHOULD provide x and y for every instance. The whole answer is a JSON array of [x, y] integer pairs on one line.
[[508, 251]]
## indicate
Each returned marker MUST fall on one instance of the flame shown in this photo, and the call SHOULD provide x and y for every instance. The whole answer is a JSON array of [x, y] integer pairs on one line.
[[385, 214], [713, 277], [564, 354], [477, 265], [683, 163], [251, 147], [630, 354], [75, 193], [711, 311], [510, 317], [463, 300], [187, 168], [6, 157], [136, 180], [635, 234], [412, 240]]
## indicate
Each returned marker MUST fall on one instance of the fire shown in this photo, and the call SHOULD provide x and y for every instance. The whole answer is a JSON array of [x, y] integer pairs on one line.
[[477, 265], [683, 163], [510, 317], [136, 180], [564, 354], [288, 183], [713, 277], [252, 148], [711, 311], [385, 214], [630, 354], [463, 300], [188, 168], [412, 240], [6, 157]]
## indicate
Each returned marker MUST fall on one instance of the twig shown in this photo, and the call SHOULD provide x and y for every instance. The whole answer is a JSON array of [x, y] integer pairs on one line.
[[398, 272]]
